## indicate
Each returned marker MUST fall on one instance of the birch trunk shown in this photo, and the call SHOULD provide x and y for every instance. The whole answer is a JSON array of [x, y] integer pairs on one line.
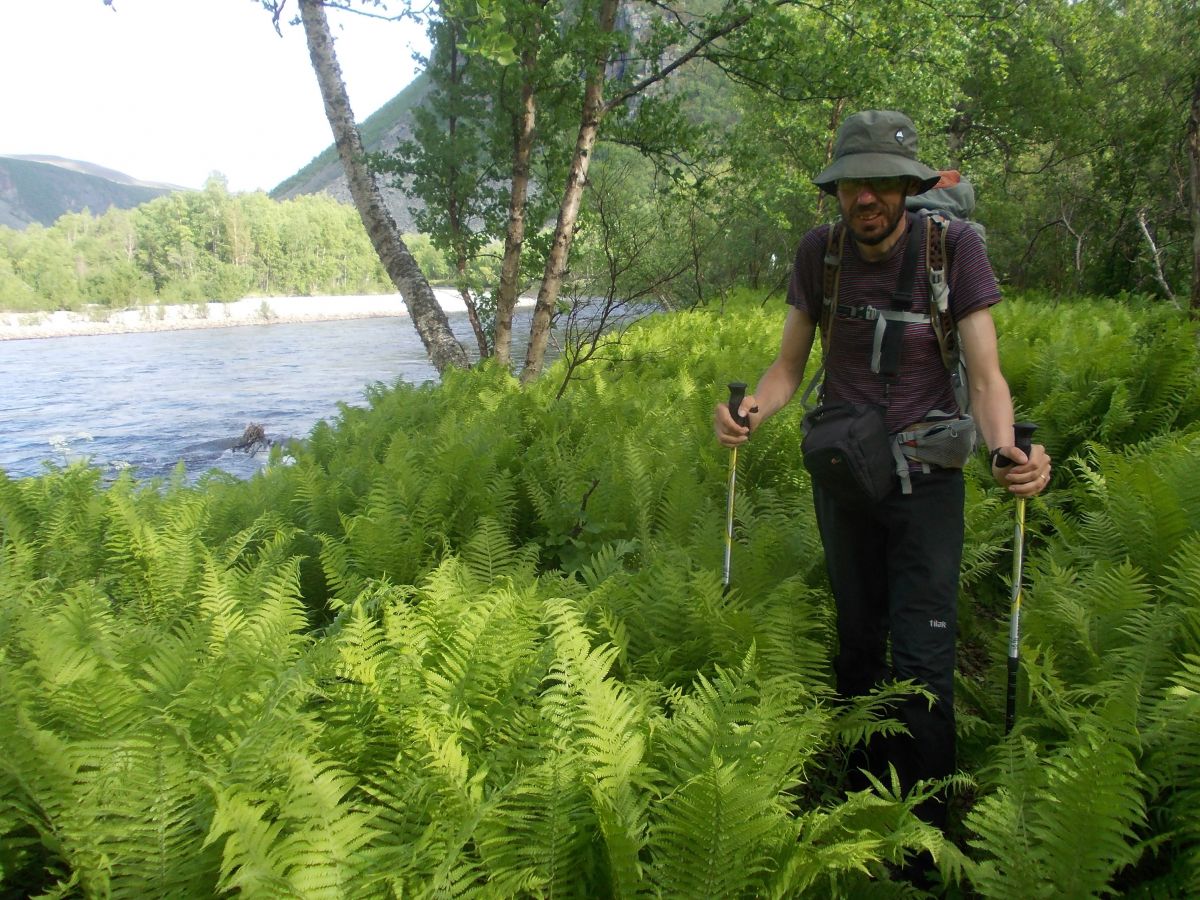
[[514, 235], [455, 216], [427, 316], [1194, 158], [594, 110], [568, 212]]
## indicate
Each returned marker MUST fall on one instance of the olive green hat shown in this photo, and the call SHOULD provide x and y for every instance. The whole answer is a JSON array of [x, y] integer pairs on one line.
[[877, 143]]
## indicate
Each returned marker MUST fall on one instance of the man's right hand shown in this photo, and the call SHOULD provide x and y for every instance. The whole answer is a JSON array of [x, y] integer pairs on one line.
[[730, 433]]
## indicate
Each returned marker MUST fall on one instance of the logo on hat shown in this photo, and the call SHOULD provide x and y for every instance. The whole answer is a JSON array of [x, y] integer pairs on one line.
[[899, 135]]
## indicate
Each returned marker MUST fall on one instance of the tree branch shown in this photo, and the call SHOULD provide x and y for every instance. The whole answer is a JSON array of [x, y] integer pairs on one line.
[[690, 54], [1156, 258]]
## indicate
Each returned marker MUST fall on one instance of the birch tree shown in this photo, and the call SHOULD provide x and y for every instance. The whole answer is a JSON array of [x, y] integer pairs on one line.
[[539, 51], [427, 316], [682, 39], [473, 153]]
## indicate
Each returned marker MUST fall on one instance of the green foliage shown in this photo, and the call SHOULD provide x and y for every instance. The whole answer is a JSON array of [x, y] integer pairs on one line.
[[474, 642], [189, 247], [1070, 118], [1032, 833], [1091, 370]]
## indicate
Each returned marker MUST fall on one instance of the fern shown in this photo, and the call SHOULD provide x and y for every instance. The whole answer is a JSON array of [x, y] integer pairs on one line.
[[731, 754], [1172, 741], [489, 554], [123, 814], [474, 643], [773, 722], [717, 834], [1148, 502], [1061, 825], [467, 672], [302, 840], [597, 714], [539, 840], [845, 850], [1174, 767]]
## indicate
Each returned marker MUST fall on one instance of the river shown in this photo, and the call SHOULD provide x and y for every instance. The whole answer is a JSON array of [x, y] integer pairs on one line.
[[147, 401]]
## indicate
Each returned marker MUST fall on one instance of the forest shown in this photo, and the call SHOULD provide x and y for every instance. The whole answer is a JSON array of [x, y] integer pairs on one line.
[[473, 640], [192, 247]]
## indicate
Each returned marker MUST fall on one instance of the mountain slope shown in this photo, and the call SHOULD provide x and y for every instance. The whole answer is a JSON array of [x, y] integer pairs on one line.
[[42, 188], [382, 130]]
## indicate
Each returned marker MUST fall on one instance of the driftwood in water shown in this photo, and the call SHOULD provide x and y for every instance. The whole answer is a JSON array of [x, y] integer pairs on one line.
[[254, 438]]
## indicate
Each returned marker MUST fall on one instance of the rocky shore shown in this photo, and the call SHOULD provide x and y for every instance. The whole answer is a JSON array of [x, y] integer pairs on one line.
[[250, 311]]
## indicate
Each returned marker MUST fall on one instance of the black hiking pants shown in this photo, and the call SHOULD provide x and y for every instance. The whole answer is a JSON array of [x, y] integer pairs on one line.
[[894, 567]]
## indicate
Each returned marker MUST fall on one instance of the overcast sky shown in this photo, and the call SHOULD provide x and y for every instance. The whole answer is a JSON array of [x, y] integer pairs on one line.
[[173, 90]]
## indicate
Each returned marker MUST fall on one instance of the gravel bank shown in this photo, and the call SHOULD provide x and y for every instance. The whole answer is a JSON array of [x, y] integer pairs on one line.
[[251, 311]]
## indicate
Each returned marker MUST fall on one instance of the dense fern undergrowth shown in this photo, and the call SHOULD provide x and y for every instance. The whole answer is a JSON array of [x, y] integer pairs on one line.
[[474, 642]]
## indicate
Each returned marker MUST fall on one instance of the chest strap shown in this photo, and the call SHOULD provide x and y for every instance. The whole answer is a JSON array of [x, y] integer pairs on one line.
[[882, 318]]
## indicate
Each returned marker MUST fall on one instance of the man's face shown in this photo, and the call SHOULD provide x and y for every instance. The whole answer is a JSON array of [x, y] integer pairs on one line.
[[872, 207]]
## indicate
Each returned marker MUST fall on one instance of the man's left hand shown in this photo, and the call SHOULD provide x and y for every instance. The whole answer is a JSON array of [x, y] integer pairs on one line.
[[1026, 476]]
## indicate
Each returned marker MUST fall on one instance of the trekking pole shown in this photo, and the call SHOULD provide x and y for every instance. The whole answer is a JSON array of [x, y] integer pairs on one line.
[[737, 393], [1023, 440]]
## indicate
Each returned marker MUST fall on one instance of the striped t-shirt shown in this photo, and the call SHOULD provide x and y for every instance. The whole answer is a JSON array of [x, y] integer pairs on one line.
[[923, 383]]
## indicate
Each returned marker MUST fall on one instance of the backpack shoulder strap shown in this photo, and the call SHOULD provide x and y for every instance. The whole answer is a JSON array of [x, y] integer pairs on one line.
[[939, 289], [944, 326], [834, 246]]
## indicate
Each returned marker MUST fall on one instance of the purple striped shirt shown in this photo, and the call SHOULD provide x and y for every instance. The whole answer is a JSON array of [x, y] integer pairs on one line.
[[923, 383]]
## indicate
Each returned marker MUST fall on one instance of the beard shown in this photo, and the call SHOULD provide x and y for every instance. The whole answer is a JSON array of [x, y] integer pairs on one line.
[[870, 240]]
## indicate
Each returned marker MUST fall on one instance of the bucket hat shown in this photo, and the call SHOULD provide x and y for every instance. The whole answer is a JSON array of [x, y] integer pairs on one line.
[[877, 143]]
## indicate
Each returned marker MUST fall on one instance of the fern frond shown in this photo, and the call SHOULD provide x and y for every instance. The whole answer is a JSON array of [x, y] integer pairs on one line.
[[304, 842], [606, 561], [1173, 767], [841, 850], [1143, 501], [490, 554], [858, 719], [126, 813], [718, 833], [340, 570], [250, 836], [539, 839], [774, 725], [597, 714], [1060, 825], [466, 672]]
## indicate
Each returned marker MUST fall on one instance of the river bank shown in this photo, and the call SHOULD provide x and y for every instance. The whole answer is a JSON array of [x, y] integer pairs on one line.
[[250, 311]]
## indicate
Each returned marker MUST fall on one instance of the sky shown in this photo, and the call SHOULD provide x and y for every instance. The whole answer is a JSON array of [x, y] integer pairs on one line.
[[175, 90]]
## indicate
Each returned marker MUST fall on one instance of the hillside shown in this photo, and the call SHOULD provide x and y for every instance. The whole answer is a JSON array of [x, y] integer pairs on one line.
[[382, 130], [42, 188]]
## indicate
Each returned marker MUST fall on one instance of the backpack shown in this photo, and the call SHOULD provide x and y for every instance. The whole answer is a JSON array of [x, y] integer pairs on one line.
[[953, 196]]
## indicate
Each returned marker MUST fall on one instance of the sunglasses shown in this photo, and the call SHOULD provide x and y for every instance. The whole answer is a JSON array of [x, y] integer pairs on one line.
[[876, 185]]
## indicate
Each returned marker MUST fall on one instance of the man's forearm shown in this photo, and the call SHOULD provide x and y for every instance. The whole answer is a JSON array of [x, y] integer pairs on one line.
[[775, 389], [992, 408], [779, 383]]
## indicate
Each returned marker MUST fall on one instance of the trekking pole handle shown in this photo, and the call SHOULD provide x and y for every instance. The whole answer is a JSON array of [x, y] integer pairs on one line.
[[1023, 436], [1022, 440], [737, 393]]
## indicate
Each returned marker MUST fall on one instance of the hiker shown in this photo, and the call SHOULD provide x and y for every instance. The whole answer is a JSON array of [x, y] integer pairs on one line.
[[893, 547]]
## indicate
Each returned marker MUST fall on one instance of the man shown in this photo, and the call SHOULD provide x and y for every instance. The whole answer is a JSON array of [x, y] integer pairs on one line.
[[893, 564]]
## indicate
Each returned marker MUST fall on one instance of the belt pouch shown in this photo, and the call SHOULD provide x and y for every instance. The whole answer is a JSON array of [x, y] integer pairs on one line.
[[848, 451]]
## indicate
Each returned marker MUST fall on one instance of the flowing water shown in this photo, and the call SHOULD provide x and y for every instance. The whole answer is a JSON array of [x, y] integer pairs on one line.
[[149, 400]]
